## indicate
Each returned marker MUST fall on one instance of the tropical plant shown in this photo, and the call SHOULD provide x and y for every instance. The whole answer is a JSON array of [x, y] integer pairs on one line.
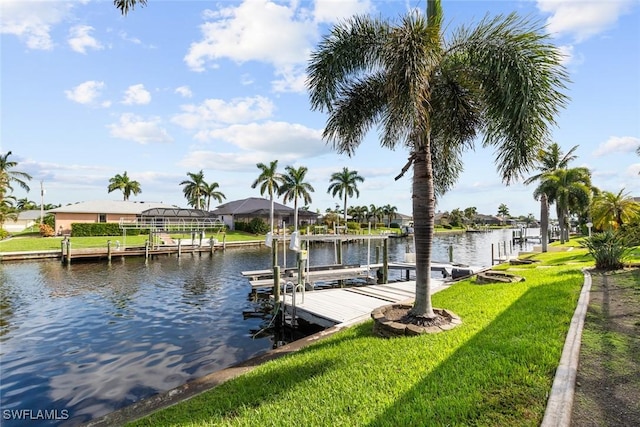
[[470, 214], [9, 176], [124, 184], [607, 248], [25, 204], [345, 185], [377, 213], [269, 181], [610, 211], [503, 78], [294, 187], [194, 189], [570, 189], [503, 211], [549, 159], [390, 212], [456, 217], [210, 191], [126, 5]]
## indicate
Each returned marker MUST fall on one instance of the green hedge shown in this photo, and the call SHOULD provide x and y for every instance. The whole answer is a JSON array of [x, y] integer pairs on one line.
[[86, 229]]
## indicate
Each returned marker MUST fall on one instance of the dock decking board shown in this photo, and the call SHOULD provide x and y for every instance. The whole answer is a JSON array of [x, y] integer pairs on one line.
[[348, 305]]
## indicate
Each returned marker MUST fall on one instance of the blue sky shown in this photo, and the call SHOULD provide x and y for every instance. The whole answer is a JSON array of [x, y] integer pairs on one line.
[[180, 86]]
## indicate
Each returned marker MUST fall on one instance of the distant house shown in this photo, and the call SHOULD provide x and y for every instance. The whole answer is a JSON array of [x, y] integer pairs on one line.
[[100, 211], [402, 220], [25, 220], [255, 207]]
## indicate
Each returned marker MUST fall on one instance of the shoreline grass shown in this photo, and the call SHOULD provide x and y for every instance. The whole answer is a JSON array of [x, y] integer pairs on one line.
[[495, 369]]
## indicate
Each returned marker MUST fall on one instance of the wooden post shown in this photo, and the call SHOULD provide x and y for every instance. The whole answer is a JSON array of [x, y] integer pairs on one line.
[[385, 261], [62, 243], [179, 247], [146, 249], [68, 251], [377, 254], [109, 250], [224, 241], [339, 249], [211, 245], [492, 254], [450, 253], [276, 269]]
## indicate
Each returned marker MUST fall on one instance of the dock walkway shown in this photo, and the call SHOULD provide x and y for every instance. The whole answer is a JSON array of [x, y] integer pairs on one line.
[[346, 306]]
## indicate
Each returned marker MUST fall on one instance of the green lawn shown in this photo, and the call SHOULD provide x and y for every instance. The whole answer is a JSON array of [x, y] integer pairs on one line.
[[496, 369]]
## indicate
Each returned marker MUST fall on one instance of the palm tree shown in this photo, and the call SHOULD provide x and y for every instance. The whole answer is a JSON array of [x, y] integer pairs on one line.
[[389, 211], [269, 181], [570, 189], [294, 187], [503, 211], [124, 183], [345, 185], [549, 159], [377, 213], [194, 188], [210, 191], [503, 78], [126, 5], [9, 176], [610, 211], [25, 204], [470, 214]]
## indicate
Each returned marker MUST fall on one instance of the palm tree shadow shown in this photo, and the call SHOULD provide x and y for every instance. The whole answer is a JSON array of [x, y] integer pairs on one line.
[[503, 392]]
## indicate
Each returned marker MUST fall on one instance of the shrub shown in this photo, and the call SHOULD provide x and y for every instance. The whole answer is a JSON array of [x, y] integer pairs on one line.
[[394, 225], [89, 229], [353, 226], [46, 230], [607, 249], [3, 233], [257, 226]]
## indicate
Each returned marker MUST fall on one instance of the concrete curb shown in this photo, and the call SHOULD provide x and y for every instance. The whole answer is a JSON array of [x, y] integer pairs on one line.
[[560, 403]]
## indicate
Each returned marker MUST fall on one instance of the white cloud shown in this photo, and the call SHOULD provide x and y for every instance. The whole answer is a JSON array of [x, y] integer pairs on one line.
[[213, 112], [80, 39], [582, 19], [136, 129], [86, 93], [32, 22], [274, 138], [136, 94], [258, 30], [618, 144], [634, 170], [292, 79], [184, 91], [329, 11]]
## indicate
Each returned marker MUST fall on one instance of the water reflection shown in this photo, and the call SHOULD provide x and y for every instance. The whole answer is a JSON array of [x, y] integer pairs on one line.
[[93, 337]]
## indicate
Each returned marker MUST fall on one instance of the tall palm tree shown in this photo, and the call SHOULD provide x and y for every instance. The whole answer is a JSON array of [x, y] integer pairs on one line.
[[549, 159], [377, 213], [194, 188], [210, 191], [470, 214], [610, 211], [125, 184], [389, 211], [269, 181], [25, 204], [345, 185], [570, 189], [294, 187], [503, 78], [8, 176]]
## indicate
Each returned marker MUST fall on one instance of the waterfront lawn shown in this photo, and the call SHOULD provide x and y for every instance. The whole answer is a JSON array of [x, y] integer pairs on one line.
[[31, 242], [495, 369]]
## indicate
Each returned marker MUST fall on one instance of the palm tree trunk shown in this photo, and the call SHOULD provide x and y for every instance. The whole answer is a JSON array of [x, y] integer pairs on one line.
[[423, 213], [544, 222], [271, 213], [345, 210], [295, 214]]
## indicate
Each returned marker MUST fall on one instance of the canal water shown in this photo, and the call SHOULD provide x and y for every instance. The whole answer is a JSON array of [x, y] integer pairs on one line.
[[80, 341]]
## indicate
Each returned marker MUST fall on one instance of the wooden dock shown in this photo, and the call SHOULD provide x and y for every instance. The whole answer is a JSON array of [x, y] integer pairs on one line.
[[346, 306]]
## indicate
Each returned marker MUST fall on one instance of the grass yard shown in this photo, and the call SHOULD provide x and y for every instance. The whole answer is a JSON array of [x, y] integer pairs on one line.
[[495, 369]]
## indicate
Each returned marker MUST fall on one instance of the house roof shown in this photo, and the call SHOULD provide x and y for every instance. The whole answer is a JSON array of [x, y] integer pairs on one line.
[[177, 213], [110, 207], [31, 214], [251, 206]]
